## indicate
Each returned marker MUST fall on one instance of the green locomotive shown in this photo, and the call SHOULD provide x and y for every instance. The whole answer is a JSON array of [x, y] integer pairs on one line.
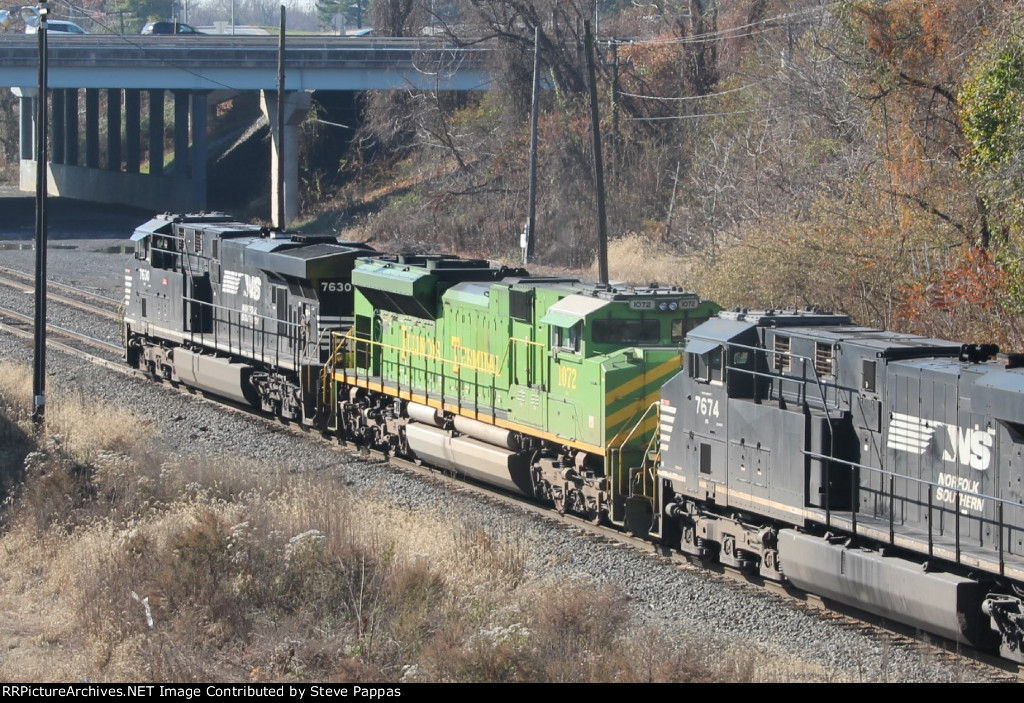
[[539, 385]]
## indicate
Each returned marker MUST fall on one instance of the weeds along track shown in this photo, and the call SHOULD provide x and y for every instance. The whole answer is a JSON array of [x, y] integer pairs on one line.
[[99, 352]]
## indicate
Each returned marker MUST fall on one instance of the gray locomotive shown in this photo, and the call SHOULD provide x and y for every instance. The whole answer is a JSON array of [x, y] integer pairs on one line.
[[237, 310], [878, 469]]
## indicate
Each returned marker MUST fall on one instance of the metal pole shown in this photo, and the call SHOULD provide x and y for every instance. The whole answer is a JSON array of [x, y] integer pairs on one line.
[[531, 220], [39, 366], [281, 221]]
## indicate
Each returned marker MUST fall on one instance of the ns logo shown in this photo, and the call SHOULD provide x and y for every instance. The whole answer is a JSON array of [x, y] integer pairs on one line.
[[969, 446], [959, 445], [250, 286]]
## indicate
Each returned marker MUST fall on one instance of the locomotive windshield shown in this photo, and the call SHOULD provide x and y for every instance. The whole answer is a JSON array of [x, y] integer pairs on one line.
[[626, 331]]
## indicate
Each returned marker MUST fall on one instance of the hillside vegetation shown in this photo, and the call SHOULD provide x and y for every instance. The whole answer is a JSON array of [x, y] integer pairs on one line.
[[859, 156]]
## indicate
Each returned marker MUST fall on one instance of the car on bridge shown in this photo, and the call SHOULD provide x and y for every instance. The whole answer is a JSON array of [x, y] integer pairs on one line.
[[61, 26], [169, 27]]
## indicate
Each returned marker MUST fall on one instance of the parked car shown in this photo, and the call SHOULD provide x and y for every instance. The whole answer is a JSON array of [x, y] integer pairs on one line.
[[168, 27], [62, 26]]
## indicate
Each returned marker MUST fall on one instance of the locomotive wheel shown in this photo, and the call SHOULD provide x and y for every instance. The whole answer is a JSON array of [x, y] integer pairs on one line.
[[560, 506]]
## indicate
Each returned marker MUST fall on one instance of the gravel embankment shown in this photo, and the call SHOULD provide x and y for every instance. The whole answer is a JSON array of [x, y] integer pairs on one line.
[[690, 605]]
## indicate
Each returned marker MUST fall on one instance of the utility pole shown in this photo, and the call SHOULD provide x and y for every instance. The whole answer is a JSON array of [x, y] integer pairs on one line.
[[602, 225], [280, 223], [531, 221], [39, 367]]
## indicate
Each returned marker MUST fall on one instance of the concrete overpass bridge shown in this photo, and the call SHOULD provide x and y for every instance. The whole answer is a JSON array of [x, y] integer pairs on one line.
[[116, 75]]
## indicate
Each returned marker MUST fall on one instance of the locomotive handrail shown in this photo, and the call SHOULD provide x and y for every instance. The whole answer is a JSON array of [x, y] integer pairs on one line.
[[932, 509], [230, 325], [615, 448]]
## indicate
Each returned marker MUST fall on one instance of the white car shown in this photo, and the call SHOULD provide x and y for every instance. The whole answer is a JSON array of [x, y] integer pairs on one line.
[[62, 26]]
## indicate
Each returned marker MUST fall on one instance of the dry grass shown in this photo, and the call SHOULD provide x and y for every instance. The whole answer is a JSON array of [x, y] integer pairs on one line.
[[639, 259], [119, 563]]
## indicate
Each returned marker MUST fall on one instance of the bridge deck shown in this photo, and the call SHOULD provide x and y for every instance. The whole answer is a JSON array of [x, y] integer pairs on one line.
[[214, 62]]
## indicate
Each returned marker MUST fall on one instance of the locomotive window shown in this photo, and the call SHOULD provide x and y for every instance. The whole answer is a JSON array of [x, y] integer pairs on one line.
[[567, 338], [740, 358], [626, 331], [680, 327], [708, 366]]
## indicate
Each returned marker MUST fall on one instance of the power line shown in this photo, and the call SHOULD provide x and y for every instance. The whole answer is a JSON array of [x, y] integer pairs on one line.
[[693, 97]]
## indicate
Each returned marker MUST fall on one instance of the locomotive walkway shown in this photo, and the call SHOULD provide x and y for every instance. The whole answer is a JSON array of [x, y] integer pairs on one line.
[[119, 73]]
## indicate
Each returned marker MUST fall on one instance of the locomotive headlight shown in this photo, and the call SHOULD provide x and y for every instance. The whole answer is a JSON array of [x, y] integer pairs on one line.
[[673, 306], [663, 306]]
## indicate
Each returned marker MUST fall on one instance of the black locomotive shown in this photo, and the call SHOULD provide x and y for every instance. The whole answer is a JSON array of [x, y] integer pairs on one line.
[[236, 309], [879, 469]]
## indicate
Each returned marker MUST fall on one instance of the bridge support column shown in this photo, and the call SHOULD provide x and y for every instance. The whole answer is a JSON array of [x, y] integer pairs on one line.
[[71, 126], [57, 133], [113, 129], [156, 132], [92, 128], [296, 107], [181, 170], [132, 129], [26, 122], [200, 151]]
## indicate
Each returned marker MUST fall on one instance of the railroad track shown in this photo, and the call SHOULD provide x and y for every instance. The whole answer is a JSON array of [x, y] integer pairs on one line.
[[102, 353], [76, 343], [63, 293]]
